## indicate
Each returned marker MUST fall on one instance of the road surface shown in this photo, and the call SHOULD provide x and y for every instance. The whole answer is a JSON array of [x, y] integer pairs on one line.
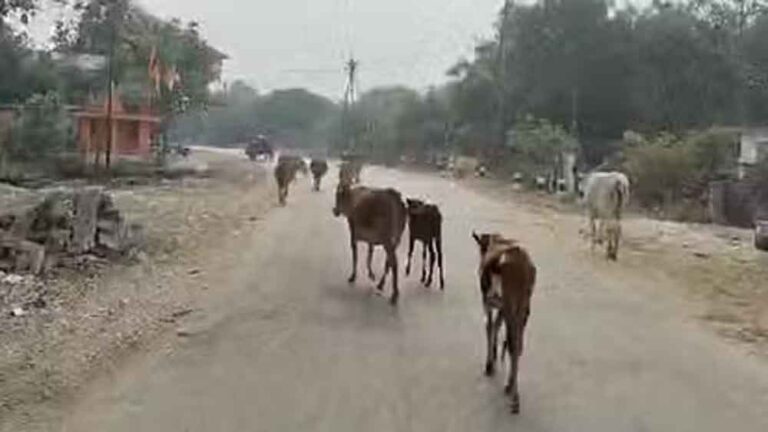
[[289, 346]]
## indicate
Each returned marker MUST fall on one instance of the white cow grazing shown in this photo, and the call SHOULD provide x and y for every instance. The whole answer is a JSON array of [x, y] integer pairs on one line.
[[606, 194]]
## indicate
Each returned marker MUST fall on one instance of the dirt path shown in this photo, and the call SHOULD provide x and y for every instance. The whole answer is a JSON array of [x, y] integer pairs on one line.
[[288, 345], [94, 314]]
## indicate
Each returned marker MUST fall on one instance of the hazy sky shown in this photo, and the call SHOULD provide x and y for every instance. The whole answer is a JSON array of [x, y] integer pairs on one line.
[[303, 43]]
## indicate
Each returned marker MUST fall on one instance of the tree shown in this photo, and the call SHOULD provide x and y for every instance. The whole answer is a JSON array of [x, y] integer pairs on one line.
[[187, 64], [293, 117], [23, 9], [43, 130]]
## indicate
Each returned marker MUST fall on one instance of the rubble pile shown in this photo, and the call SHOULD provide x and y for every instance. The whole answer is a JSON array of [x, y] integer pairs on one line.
[[38, 233]]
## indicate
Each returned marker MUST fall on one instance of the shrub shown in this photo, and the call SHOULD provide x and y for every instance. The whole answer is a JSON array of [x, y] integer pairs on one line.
[[43, 129], [659, 169], [672, 174]]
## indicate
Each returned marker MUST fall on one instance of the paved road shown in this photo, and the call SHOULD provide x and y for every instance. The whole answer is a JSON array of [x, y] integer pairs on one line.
[[289, 346]]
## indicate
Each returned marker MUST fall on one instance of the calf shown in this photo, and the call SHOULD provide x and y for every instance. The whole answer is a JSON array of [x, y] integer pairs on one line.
[[318, 167], [425, 225], [507, 276], [376, 217], [285, 174], [605, 195]]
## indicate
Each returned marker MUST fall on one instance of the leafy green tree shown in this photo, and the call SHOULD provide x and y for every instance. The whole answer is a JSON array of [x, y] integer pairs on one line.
[[293, 117], [132, 34], [43, 129]]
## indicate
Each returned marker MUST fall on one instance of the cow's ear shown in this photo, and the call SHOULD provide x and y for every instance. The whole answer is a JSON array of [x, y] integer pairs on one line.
[[477, 239]]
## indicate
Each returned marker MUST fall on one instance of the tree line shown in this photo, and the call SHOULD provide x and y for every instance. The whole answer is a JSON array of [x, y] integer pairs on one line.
[[592, 68], [163, 63]]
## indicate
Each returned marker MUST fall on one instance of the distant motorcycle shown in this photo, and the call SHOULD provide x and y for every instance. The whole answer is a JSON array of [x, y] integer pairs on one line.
[[259, 149]]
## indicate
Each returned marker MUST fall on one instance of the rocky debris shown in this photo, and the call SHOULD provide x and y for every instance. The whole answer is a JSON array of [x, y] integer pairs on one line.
[[38, 234], [19, 294]]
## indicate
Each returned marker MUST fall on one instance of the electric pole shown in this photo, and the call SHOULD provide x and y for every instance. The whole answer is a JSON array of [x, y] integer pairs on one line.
[[502, 74], [114, 18], [350, 96]]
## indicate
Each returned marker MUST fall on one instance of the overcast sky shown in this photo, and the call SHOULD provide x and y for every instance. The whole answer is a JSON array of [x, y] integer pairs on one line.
[[303, 43]]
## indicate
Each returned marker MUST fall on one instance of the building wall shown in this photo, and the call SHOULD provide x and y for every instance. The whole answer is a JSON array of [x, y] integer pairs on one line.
[[737, 203], [753, 148], [7, 118], [130, 138]]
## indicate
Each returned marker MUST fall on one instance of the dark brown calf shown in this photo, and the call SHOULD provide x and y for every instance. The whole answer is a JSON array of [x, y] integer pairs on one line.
[[376, 217], [507, 276], [285, 173], [425, 225], [318, 167]]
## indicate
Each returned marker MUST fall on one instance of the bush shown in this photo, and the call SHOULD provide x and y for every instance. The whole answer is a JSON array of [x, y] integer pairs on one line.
[[659, 169], [43, 130], [672, 174]]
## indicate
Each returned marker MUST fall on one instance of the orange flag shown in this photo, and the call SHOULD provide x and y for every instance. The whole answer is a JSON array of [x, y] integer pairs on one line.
[[155, 74], [171, 77]]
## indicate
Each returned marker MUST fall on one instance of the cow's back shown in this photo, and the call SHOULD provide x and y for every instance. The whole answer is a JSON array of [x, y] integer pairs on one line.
[[606, 193], [379, 213]]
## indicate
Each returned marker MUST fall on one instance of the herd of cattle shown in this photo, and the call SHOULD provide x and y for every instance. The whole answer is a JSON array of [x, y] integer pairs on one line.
[[507, 274]]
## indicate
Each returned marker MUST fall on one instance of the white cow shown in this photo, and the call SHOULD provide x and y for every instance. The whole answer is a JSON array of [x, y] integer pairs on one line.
[[606, 194]]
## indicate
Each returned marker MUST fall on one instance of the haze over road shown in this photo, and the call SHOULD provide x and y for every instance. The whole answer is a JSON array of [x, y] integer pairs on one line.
[[290, 346]]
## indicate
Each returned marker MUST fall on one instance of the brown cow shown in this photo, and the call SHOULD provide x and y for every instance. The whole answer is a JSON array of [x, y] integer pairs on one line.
[[507, 276], [285, 174], [376, 217], [349, 172], [425, 225], [318, 167]]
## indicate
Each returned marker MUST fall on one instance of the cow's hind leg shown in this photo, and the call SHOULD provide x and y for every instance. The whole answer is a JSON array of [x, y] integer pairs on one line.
[[411, 243], [592, 234], [439, 247], [492, 326], [513, 345], [387, 267], [371, 274], [392, 260], [432, 257], [353, 245]]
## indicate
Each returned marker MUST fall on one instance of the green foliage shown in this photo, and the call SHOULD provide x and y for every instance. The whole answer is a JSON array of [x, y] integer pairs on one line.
[[294, 117], [389, 122], [125, 28], [23, 71], [602, 69], [667, 168], [43, 129], [659, 170], [540, 142]]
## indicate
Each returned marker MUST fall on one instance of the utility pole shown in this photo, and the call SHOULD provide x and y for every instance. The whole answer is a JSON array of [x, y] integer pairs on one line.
[[502, 74], [110, 102], [114, 16], [350, 97]]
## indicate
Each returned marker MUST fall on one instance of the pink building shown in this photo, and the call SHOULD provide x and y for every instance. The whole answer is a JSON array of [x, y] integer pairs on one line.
[[132, 133]]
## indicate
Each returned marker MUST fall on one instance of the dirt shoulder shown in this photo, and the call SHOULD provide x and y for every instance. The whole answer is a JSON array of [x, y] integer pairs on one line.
[[93, 316], [719, 273]]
